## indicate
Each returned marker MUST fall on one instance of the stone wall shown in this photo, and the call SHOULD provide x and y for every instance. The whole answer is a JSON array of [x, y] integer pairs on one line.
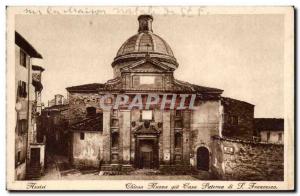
[[245, 160], [237, 119], [89, 151], [78, 102]]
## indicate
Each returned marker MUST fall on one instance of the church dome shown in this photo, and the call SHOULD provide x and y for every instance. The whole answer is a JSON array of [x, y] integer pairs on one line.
[[145, 42]]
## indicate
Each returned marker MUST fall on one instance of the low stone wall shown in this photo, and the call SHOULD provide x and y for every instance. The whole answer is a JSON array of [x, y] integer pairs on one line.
[[246, 160]]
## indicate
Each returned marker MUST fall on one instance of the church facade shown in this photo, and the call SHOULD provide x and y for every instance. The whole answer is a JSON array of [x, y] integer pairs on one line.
[[171, 130]]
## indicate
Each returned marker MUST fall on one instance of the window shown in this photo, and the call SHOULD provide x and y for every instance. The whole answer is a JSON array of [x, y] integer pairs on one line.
[[147, 115], [91, 111], [234, 120], [178, 123], [231, 119], [22, 89], [178, 140], [22, 58], [115, 112], [101, 122], [19, 157], [114, 122], [22, 126], [268, 136], [178, 113], [114, 140], [280, 137], [81, 136]]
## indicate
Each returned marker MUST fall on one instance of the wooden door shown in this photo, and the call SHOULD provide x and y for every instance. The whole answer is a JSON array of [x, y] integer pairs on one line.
[[147, 160], [35, 156], [203, 159]]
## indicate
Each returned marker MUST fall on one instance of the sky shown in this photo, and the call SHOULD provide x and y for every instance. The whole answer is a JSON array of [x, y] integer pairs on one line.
[[240, 54]]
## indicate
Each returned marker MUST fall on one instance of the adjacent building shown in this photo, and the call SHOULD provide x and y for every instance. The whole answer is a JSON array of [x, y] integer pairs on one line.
[[29, 148], [58, 100], [177, 137], [55, 126], [270, 130], [237, 119]]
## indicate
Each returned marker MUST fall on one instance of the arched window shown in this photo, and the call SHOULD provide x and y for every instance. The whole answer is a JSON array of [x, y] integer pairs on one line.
[[114, 140], [91, 111], [178, 140]]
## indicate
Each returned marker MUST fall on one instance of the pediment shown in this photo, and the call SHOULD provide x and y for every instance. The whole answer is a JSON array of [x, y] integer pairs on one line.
[[147, 66], [141, 129]]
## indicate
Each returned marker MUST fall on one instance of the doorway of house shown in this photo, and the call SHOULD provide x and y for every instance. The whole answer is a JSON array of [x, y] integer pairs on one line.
[[35, 156], [203, 159]]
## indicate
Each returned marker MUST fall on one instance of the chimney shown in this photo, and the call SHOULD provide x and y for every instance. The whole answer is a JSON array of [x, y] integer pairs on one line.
[[145, 23]]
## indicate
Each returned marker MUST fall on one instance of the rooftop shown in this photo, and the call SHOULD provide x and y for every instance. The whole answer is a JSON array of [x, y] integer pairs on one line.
[[93, 87], [56, 108], [25, 45], [228, 99], [179, 86], [89, 124], [270, 124]]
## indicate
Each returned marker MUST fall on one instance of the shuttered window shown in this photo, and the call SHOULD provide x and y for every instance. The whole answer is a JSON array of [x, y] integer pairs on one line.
[[22, 126], [22, 89], [22, 58]]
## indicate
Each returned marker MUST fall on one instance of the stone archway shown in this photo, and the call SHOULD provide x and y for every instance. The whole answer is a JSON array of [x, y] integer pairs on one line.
[[203, 158]]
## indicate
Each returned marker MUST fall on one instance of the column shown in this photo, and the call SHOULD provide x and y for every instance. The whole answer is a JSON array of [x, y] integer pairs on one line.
[[106, 136], [186, 137], [166, 137], [125, 130]]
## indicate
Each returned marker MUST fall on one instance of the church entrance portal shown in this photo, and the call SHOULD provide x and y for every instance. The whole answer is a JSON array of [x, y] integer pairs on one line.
[[146, 153]]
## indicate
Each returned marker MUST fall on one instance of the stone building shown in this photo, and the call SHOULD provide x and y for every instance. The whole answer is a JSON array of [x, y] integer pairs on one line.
[[237, 119], [55, 126], [29, 148], [270, 130], [175, 137], [58, 100]]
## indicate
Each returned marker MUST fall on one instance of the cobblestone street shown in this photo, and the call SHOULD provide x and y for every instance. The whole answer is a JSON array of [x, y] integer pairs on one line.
[[58, 168]]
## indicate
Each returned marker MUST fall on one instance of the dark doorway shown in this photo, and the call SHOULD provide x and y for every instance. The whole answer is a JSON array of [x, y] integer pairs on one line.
[[146, 159], [35, 156], [203, 158], [147, 154]]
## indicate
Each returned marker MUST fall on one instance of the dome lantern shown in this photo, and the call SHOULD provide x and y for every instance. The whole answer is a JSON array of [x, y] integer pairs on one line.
[[145, 23]]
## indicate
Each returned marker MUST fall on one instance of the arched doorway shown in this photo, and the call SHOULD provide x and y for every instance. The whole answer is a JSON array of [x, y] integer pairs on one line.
[[203, 158]]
